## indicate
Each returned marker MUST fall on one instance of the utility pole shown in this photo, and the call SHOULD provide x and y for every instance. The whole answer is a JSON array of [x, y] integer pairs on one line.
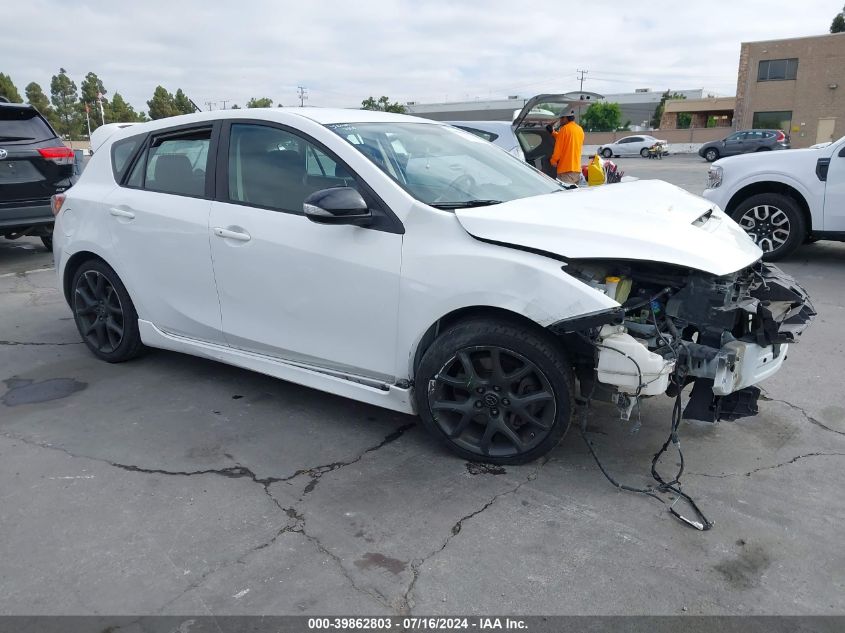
[[225, 101], [303, 95], [210, 105], [581, 89]]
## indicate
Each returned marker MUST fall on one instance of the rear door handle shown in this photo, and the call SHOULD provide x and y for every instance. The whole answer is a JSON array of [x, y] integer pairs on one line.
[[121, 213], [241, 236]]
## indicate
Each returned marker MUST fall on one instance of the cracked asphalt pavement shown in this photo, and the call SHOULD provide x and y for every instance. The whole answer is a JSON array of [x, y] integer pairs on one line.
[[175, 485]]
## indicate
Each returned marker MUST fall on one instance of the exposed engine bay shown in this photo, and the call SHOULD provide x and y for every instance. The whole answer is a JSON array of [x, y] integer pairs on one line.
[[677, 326]]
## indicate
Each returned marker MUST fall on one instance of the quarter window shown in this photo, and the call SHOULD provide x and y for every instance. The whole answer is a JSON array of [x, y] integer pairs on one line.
[[178, 163], [777, 69], [121, 152], [274, 168]]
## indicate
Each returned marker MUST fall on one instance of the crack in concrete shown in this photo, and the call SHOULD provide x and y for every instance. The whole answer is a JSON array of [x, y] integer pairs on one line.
[[31, 343], [772, 467], [803, 412], [237, 472], [406, 601]]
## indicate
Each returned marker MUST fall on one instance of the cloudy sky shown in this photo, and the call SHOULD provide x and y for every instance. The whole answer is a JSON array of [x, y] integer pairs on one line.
[[410, 50]]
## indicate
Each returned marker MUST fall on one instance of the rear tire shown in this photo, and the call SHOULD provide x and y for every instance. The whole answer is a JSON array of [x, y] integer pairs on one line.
[[607, 152], [495, 391], [47, 241], [775, 223], [711, 155], [104, 313]]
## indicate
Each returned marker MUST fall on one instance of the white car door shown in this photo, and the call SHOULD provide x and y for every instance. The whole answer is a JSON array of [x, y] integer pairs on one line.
[[323, 295], [158, 219], [834, 191]]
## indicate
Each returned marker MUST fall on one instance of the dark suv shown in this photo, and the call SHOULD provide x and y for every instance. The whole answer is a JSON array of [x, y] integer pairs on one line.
[[34, 165], [744, 142]]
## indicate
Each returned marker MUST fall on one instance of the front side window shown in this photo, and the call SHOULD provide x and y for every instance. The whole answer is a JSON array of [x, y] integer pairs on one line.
[[777, 69], [273, 168], [177, 163], [445, 167]]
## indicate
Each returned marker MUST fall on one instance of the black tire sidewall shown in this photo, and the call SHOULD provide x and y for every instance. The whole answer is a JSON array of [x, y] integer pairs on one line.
[[711, 152], [540, 349], [607, 153], [644, 152], [131, 345], [797, 231], [47, 241]]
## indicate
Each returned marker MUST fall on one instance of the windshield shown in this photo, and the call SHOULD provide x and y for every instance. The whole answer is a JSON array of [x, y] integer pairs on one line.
[[443, 166]]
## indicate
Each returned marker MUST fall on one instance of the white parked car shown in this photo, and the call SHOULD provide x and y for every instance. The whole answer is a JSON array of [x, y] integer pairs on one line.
[[631, 146], [410, 265], [783, 199]]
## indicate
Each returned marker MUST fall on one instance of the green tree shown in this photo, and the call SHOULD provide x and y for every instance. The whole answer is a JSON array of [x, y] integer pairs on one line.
[[64, 97], [182, 103], [8, 90], [122, 112], [383, 105], [89, 89], [658, 113], [602, 117], [260, 102], [684, 120], [162, 105], [36, 98], [838, 24]]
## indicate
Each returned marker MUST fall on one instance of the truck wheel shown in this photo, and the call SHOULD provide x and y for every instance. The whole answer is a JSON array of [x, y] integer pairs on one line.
[[495, 391], [774, 222]]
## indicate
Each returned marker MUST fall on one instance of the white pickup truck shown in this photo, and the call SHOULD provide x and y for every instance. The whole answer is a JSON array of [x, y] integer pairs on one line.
[[783, 199]]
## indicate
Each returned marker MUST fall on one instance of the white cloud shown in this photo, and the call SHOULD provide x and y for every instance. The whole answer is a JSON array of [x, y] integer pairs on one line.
[[423, 50]]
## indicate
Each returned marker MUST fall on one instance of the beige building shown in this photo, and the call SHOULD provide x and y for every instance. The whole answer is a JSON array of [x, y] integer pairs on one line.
[[797, 85], [698, 113]]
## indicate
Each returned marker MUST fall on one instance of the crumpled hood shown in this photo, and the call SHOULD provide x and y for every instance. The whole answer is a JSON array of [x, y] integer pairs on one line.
[[648, 220]]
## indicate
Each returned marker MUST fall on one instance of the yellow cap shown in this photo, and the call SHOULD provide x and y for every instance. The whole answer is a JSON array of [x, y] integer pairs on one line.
[[611, 280]]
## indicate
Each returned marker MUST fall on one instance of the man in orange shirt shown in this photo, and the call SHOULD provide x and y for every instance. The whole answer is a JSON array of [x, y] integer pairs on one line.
[[569, 142]]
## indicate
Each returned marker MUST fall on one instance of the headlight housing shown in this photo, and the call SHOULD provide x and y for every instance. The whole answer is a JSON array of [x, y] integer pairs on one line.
[[714, 177]]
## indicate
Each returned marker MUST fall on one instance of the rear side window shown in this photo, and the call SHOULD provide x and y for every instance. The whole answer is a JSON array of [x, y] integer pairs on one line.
[[23, 125], [121, 152], [177, 163]]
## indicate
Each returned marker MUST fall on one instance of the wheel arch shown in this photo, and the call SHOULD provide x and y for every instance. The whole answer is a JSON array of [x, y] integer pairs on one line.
[[73, 263], [464, 314], [771, 186]]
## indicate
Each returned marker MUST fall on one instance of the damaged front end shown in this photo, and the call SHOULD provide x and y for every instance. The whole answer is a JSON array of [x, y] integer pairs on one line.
[[677, 326]]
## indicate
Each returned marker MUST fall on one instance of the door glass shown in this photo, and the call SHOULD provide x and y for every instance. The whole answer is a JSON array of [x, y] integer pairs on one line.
[[273, 168], [178, 164]]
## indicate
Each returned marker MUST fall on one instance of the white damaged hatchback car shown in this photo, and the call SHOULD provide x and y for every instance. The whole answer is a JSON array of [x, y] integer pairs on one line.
[[414, 266]]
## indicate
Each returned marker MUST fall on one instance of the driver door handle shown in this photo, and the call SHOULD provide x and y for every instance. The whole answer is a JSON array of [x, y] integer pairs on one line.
[[219, 231], [121, 213]]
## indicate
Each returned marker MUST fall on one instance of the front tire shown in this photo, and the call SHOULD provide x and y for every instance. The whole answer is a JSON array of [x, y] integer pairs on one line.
[[495, 391], [104, 313], [774, 222], [644, 152], [711, 155], [607, 152]]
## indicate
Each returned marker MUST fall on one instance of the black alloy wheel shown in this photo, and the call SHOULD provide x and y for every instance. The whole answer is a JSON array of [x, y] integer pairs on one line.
[[104, 314], [495, 392], [98, 311]]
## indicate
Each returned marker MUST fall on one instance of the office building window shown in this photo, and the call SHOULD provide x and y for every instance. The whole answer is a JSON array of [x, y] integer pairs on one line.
[[777, 69]]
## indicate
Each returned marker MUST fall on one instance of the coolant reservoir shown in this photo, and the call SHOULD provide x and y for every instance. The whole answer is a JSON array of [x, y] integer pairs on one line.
[[616, 368]]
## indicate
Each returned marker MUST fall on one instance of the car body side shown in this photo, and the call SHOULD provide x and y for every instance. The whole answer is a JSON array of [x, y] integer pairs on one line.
[[525, 286]]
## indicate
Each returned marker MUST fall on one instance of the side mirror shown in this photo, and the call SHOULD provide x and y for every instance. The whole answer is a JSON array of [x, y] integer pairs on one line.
[[338, 205]]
